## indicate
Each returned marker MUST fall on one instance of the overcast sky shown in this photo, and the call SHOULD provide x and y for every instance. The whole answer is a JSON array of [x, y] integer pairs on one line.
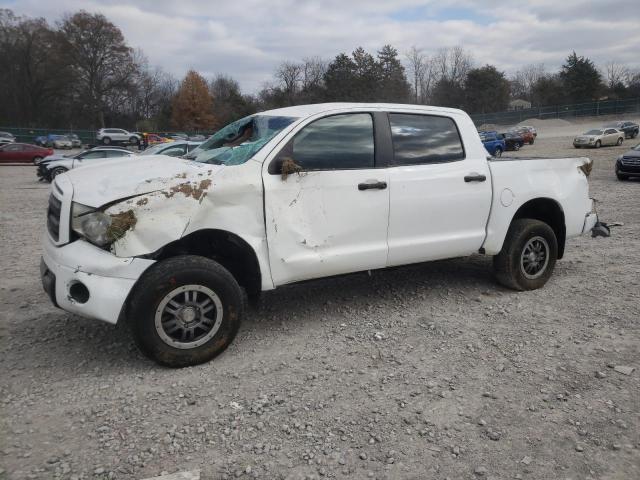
[[248, 38]]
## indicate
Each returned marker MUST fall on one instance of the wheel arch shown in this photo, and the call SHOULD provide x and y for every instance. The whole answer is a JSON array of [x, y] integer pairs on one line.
[[228, 249], [549, 211]]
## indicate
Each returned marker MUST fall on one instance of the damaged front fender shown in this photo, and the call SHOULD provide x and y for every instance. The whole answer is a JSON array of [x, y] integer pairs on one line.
[[145, 223]]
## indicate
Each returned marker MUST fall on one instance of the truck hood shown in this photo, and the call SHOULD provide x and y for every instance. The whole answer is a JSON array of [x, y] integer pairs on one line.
[[98, 185]]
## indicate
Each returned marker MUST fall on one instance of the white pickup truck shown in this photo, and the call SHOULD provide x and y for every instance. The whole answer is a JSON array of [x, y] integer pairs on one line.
[[294, 194]]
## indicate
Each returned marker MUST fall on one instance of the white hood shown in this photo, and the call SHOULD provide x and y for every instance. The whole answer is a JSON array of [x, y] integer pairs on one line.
[[98, 185]]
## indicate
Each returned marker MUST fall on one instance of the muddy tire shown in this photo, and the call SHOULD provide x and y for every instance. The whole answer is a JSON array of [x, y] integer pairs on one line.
[[185, 310], [528, 256]]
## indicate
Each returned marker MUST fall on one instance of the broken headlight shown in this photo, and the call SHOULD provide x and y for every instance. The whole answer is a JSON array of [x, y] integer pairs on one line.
[[91, 224]]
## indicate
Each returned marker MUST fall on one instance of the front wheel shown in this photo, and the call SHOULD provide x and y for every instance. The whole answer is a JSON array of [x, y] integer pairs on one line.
[[134, 140], [498, 152], [619, 142], [528, 256], [185, 310], [516, 147], [57, 171], [36, 160], [621, 177], [598, 144], [106, 141], [531, 141]]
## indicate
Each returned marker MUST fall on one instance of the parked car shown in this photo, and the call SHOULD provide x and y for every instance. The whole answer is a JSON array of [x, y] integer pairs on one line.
[[60, 142], [75, 140], [528, 134], [512, 141], [6, 137], [108, 136], [22, 153], [48, 170], [598, 137], [197, 138], [154, 139], [494, 144], [172, 149], [291, 195], [628, 164], [630, 129]]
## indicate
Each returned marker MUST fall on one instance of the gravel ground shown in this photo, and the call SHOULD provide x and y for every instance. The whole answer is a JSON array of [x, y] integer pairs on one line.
[[426, 371]]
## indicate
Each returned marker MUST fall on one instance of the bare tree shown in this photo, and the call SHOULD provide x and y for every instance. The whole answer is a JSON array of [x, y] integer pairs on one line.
[[417, 64], [313, 70], [523, 80], [616, 74], [289, 75], [452, 64]]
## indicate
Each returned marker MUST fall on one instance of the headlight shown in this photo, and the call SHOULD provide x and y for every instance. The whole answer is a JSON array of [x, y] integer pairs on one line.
[[92, 224]]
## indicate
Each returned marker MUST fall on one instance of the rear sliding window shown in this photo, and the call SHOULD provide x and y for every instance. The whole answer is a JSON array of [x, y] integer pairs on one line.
[[420, 139]]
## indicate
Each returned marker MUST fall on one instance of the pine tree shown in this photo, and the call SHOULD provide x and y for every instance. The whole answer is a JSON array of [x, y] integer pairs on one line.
[[393, 85], [193, 104], [581, 79]]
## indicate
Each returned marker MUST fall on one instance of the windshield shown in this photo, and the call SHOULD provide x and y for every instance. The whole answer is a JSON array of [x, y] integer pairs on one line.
[[157, 148], [239, 141], [594, 132]]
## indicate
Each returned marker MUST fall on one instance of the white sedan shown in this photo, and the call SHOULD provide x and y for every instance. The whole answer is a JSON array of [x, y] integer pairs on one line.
[[599, 137]]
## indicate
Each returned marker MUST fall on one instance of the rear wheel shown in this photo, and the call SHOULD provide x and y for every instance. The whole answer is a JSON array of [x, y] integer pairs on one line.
[[531, 141], [528, 256], [516, 147], [185, 310], [106, 141], [134, 140], [598, 144], [498, 152], [619, 142], [36, 160]]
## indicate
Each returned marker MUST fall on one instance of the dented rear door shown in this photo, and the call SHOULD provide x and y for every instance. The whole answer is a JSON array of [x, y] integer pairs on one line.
[[327, 214]]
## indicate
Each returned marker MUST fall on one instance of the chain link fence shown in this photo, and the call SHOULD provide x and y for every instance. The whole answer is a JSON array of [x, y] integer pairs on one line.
[[591, 109]]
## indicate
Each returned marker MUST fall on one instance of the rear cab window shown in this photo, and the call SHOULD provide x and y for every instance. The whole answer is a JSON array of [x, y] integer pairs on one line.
[[423, 139]]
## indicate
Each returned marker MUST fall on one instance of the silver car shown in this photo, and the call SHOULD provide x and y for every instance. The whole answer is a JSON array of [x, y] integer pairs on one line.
[[108, 136], [6, 137], [172, 149], [599, 137], [62, 142]]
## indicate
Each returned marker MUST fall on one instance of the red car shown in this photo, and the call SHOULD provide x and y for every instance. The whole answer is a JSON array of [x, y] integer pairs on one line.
[[23, 153]]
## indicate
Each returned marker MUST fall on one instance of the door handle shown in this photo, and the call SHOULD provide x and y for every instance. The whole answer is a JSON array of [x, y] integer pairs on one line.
[[372, 186], [475, 177]]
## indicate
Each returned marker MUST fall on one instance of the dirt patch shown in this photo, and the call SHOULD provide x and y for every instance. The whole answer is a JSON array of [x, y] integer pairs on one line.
[[289, 166], [142, 202], [195, 190], [121, 223]]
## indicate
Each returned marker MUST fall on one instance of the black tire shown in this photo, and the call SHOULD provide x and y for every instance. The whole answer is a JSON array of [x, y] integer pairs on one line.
[[621, 177], [620, 140], [531, 141], [598, 144], [516, 147], [36, 159], [508, 264], [106, 141], [158, 284], [498, 152], [57, 171], [134, 140]]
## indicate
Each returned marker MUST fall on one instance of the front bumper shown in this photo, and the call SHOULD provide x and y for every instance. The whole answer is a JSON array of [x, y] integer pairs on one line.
[[107, 278]]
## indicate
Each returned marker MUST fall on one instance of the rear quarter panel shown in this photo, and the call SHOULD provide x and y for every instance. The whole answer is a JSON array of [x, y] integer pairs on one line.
[[517, 181]]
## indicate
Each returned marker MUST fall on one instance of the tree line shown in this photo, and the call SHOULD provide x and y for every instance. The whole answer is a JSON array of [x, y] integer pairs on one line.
[[81, 73]]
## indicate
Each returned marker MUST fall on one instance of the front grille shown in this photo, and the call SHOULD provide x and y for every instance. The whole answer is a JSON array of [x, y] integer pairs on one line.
[[53, 217], [631, 161]]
